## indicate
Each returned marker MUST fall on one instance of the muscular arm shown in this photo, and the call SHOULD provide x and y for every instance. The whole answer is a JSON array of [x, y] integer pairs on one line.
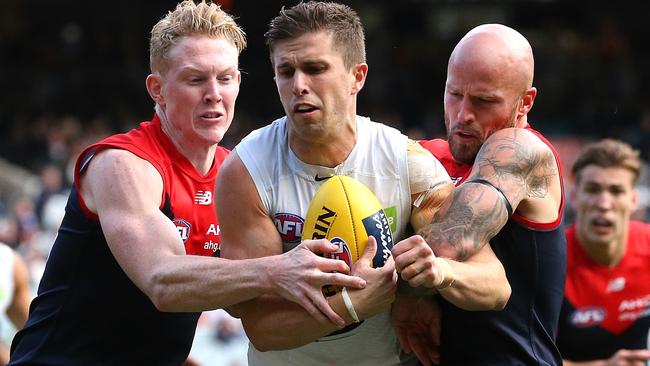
[[125, 192], [479, 283], [523, 167]]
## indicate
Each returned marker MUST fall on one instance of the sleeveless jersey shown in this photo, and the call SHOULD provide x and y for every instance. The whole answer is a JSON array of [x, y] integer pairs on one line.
[[606, 309], [534, 257], [286, 186], [88, 312]]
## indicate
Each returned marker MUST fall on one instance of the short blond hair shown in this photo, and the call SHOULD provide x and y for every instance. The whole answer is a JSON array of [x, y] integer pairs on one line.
[[190, 19]]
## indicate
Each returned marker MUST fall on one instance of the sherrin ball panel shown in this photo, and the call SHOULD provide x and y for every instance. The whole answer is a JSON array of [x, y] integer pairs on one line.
[[344, 211]]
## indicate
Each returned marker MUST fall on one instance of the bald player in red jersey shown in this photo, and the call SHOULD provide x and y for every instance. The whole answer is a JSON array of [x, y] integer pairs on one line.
[[508, 193]]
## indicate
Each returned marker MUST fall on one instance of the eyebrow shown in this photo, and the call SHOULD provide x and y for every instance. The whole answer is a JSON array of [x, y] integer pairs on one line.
[[305, 63], [192, 68]]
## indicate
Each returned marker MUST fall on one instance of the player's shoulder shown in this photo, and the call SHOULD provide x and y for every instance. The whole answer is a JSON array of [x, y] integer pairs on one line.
[[517, 135], [435, 145], [523, 144], [265, 136], [641, 230], [367, 124]]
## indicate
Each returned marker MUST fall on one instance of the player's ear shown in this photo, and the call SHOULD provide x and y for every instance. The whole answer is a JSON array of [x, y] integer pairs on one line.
[[527, 101], [154, 85], [635, 200], [359, 72]]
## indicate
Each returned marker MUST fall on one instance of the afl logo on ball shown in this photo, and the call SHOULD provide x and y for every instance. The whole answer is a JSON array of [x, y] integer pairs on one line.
[[183, 228], [343, 253], [289, 226]]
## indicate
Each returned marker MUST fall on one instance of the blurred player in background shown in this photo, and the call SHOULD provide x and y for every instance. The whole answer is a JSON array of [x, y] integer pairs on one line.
[[509, 193], [318, 56], [136, 258], [14, 294], [605, 316]]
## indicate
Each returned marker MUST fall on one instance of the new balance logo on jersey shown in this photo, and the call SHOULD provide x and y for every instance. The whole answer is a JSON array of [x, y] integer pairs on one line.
[[203, 197], [616, 285]]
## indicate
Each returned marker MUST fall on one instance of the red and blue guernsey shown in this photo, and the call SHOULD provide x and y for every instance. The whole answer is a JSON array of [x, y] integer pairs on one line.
[[606, 308], [87, 311], [534, 257]]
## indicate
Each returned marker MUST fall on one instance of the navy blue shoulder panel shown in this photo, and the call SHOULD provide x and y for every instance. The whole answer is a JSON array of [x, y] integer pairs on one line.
[[85, 299]]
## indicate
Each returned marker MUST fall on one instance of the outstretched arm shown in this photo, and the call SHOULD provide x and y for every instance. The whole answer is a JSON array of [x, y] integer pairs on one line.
[[513, 161], [125, 191]]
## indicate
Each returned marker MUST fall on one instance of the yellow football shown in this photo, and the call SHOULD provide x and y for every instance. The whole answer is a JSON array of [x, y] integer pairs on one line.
[[344, 211]]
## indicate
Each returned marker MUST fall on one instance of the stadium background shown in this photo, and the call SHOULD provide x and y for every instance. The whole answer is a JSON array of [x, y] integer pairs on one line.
[[72, 72]]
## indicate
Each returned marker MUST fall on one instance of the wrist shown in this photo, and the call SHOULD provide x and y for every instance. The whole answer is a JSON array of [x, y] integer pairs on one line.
[[447, 275], [347, 300], [407, 291], [268, 279]]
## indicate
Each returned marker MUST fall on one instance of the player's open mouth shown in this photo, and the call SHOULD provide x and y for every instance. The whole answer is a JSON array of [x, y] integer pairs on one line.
[[601, 222], [602, 225], [464, 136], [303, 108], [211, 115]]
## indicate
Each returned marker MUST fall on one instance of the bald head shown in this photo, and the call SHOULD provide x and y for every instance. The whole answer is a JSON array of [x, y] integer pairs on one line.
[[488, 87], [499, 49]]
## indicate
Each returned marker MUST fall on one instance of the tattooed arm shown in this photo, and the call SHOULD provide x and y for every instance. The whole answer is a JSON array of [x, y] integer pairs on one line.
[[479, 283], [523, 168]]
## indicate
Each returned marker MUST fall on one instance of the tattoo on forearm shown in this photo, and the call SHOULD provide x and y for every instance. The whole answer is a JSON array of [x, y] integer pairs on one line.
[[475, 215], [467, 225]]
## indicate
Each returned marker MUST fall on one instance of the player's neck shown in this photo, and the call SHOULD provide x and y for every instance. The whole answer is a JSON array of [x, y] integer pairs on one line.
[[330, 152], [609, 254], [201, 156]]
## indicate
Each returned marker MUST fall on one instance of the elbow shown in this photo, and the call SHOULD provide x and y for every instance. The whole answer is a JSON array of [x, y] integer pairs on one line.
[[502, 299], [161, 299], [261, 342], [161, 293], [503, 290], [267, 341], [501, 293]]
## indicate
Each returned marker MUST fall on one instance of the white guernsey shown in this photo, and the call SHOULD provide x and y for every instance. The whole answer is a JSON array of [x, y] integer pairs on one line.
[[286, 186]]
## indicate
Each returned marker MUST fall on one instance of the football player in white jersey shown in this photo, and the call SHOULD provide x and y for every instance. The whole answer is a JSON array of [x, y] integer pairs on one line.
[[318, 57]]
